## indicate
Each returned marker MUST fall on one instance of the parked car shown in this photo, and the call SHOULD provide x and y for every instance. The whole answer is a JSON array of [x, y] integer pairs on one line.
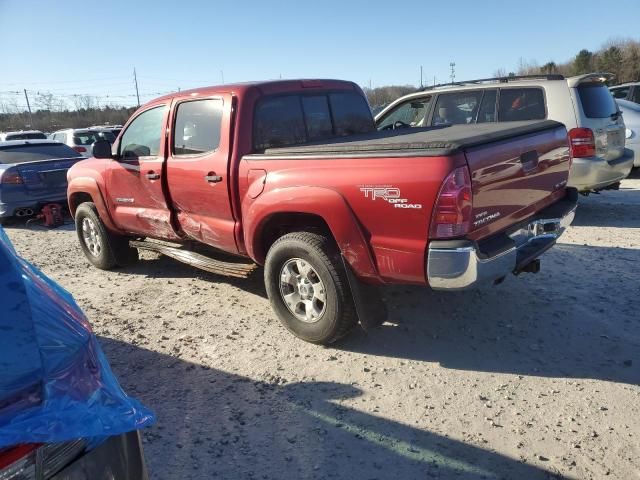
[[81, 139], [63, 415], [294, 176], [627, 91], [33, 173], [582, 103], [22, 135], [631, 115]]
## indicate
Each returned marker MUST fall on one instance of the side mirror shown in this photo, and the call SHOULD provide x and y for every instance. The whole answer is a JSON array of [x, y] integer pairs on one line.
[[101, 149]]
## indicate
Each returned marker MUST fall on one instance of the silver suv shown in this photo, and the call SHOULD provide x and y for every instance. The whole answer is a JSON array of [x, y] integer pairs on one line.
[[583, 103]]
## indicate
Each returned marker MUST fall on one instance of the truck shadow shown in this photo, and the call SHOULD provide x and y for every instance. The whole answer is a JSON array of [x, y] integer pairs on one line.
[[589, 328], [159, 266], [215, 424]]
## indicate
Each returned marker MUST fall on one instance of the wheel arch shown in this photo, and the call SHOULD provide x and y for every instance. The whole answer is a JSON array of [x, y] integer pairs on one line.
[[86, 189], [317, 209]]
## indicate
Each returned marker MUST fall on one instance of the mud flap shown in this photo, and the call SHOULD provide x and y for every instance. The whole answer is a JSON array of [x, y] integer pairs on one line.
[[371, 309]]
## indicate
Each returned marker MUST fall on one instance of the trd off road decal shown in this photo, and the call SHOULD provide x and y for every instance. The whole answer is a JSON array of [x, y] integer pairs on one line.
[[389, 194]]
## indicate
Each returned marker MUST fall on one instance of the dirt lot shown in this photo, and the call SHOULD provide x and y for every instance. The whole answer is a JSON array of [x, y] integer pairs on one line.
[[535, 378]]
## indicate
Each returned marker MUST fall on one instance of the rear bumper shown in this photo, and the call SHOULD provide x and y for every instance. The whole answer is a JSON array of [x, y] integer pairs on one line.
[[9, 209], [595, 173], [635, 148], [118, 458], [463, 264]]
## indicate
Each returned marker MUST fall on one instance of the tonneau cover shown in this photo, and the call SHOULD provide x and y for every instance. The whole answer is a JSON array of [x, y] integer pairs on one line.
[[429, 141]]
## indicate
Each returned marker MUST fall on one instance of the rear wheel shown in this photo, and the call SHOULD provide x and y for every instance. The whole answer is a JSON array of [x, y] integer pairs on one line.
[[102, 248], [308, 287]]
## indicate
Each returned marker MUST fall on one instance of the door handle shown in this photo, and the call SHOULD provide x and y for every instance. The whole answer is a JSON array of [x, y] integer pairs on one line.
[[152, 175], [213, 178]]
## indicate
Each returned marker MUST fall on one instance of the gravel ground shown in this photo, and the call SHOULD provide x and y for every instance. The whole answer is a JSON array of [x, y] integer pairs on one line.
[[534, 378]]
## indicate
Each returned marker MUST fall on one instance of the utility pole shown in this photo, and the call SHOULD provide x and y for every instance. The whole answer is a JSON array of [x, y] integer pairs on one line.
[[222, 76], [135, 80], [453, 71], [421, 84], [29, 107]]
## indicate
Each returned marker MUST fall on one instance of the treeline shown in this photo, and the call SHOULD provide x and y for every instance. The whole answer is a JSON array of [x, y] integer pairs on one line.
[[48, 120], [620, 57]]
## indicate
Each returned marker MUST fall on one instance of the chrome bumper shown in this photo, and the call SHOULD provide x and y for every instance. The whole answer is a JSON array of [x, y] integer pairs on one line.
[[595, 173], [459, 265]]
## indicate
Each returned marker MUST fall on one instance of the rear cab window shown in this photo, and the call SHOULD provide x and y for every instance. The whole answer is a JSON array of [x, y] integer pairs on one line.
[[33, 153], [288, 120], [596, 100], [519, 104]]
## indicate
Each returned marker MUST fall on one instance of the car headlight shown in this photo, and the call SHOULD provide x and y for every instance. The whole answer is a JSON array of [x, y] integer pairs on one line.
[[628, 133]]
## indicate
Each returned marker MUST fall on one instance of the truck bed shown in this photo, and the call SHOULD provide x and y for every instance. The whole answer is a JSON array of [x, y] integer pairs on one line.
[[428, 141]]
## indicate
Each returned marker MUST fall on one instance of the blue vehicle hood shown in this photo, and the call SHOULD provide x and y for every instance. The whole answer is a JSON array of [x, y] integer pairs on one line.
[[55, 382]]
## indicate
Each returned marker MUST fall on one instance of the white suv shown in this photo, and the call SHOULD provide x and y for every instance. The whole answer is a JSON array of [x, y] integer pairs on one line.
[[583, 103], [81, 139]]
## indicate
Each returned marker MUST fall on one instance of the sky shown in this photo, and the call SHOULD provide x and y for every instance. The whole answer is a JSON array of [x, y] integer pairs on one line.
[[71, 47]]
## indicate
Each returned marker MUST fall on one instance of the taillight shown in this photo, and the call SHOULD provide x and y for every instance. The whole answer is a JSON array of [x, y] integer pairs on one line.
[[582, 142], [452, 212], [18, 463], [23, 461], [11, 178], [80, 149]]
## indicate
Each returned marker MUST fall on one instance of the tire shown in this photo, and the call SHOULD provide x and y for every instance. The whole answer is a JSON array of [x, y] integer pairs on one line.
[[102, 248], [303, 256]]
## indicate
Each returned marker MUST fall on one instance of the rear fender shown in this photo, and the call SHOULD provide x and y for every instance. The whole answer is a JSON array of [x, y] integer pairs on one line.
[[325, 203], [77, 191]]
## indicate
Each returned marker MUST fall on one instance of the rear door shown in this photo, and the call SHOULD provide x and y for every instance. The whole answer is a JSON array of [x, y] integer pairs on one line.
[[134, 178], [198, 169], [598, 111]]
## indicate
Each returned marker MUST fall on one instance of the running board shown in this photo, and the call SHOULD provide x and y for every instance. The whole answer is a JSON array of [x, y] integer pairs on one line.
[[203, 262]]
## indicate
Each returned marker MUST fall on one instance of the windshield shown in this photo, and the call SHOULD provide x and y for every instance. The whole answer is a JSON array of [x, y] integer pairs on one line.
[[597, 101], [33, 153]]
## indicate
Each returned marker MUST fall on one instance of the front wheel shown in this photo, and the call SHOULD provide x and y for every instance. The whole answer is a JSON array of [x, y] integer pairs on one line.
[[308, 287], [102, 248]]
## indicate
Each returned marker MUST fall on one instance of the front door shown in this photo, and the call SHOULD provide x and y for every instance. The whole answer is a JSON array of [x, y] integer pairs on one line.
[[134, 180], [197, 170]]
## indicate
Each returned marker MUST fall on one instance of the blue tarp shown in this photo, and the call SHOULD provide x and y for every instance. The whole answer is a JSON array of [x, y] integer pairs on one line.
[[55, 382]]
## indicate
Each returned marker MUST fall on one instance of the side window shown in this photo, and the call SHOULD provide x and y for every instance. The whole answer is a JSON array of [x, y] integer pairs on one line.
[[278, 122], [620, 92], [317, 117], [636, 94], [197, 127], [456, 108], [61, 137], [487, 112], [517, 104], [412, 113], [142, 136], [351, 114]]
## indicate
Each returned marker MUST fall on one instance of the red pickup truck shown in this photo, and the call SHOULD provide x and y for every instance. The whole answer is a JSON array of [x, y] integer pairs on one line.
[[293, 175]]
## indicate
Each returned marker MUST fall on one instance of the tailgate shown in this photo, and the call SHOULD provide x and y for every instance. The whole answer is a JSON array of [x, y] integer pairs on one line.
[[514, 177]]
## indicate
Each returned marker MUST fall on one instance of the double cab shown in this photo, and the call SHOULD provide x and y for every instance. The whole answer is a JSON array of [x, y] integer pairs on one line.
[[294, 176]]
